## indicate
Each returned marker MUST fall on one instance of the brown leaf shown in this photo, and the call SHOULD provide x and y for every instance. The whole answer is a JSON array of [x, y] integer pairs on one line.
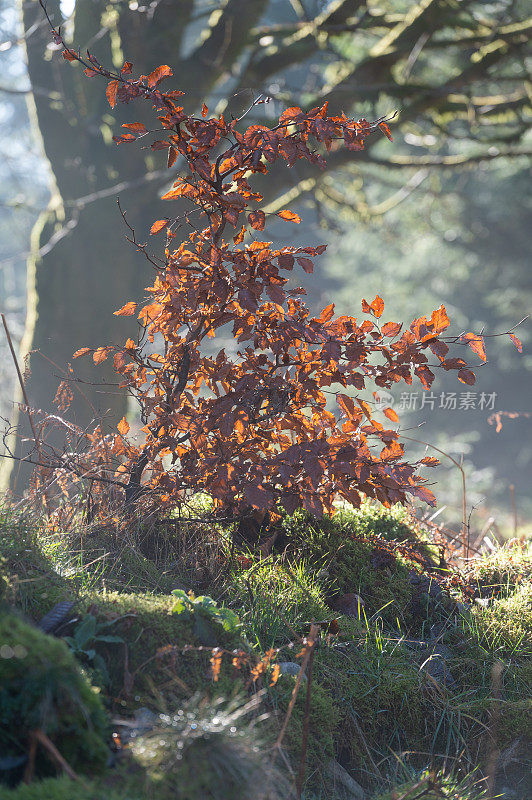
[[476, 343], [111, 92], [306, 263], [136, 127], [466, 376], [125, 137], [425, 494], [158, 75], [257, 220], [516, 341], [172, 155]]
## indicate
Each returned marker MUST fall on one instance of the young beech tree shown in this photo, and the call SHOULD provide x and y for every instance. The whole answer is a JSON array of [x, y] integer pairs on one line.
[[252, 428]]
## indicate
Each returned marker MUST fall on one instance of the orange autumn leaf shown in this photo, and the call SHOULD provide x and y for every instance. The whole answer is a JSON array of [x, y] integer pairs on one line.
[[127, 310], [100, 354], [476, 343], [135, 127], [158, 226], [123, 426], [81, 352], [216, 663], [290, 216], [158, 75], [376, 307], [385, 129], [391, 414], [276, 671]]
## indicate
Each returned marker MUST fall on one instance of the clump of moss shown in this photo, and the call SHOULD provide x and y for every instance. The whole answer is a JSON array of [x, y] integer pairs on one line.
[[348, 564], [376, 690], [42, 686], [324, 721], [156, 638], [28, 576], [501, 572]]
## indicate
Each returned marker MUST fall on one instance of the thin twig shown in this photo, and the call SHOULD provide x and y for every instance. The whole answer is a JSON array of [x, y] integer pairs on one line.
[[54, 753], [311, 640], [304, 738], [22, 386]]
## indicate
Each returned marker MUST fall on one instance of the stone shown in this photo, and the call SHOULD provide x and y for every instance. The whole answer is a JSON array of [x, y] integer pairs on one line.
[[290, 668], [349, 604]]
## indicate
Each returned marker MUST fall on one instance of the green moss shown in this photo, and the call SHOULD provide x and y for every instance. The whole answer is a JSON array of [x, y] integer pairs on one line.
[[28, 576], [348, 565], [505, 626], [155, 639], [514, 721], [503, 571], [377, 693], [41, 686], [324, 719]]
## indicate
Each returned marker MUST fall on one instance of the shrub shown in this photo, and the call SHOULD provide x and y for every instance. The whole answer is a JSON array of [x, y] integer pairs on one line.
[[251, 428]]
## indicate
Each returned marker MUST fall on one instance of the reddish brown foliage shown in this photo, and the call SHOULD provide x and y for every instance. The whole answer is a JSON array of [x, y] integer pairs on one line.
[[250, 426]]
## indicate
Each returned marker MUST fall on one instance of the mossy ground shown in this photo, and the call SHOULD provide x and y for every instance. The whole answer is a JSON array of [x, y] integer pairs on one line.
[[374, 696], [43, 687]]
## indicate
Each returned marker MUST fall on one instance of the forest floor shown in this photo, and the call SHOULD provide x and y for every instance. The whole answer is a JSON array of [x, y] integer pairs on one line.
[[350, 658]]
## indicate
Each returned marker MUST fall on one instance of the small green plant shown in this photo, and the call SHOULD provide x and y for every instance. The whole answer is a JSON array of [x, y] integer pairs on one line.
[[83, 643], [203, 609]]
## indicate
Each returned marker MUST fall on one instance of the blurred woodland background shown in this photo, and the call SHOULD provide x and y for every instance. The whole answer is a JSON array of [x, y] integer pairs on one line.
[[442, 215]]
